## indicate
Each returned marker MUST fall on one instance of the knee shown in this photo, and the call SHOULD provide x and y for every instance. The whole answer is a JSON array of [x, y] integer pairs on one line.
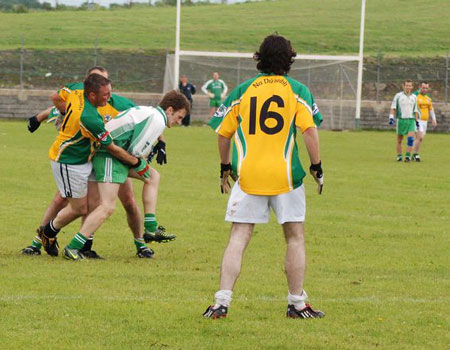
[[107, 209], [83, 209], [61, 201], [154, 177], [410, 141]]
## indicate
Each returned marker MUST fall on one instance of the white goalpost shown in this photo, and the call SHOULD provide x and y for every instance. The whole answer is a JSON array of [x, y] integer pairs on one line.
[[335, 81]]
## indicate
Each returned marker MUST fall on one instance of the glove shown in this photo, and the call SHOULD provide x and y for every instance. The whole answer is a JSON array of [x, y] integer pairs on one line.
[[33, 124], [317, 174], [211, 95], [142, 168], [160, 150], [391, 120], [225, 171]]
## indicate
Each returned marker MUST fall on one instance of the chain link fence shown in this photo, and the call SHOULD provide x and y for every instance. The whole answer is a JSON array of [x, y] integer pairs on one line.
[[141, 71]]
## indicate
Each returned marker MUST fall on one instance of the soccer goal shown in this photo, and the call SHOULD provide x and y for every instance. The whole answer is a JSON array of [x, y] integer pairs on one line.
[[331, 79], [335, 81]]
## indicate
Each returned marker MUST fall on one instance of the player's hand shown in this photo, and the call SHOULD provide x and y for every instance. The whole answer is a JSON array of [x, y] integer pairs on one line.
[[317, 174], [225, 172], [142, 168], [33, 124], [434, 123], [391, 121], [160, 150], [211, 95]]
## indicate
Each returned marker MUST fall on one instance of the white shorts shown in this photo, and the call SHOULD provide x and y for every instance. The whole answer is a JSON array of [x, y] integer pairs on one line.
[[72, 180], [423, 126], [254, 209]]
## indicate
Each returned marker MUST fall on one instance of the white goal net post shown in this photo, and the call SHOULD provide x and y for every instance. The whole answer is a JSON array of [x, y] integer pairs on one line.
[[333, 80]]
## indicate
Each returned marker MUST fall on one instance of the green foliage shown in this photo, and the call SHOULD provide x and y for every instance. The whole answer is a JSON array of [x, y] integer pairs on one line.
[[377, 245], [319, 27]]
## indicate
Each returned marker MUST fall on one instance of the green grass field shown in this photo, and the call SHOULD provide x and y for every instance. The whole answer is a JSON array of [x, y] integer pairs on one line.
[[400, 28], [377, 245]]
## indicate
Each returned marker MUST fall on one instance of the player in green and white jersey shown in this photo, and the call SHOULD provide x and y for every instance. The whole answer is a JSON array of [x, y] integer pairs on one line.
[[135, 130], [216, 89], [404, 107], [126, 194]]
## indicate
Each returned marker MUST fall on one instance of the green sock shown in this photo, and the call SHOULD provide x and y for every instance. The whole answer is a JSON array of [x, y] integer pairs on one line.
[[399, 155], [408, 154], [37, 243], [150, 222], [139, 243], [77, 242]]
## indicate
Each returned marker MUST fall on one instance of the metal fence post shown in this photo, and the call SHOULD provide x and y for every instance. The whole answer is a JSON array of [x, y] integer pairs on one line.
[[95, 51], [378, 76], [21, 62], [446, 79]]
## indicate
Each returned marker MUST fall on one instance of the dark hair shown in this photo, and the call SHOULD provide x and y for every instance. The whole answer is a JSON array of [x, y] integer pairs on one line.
[[99, 68], [423, 82], [408, 81], [94, 82], [176, 100], [275, 55]]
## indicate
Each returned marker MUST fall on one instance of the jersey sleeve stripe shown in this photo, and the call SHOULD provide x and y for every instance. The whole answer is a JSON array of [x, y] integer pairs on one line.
[[304, 103]]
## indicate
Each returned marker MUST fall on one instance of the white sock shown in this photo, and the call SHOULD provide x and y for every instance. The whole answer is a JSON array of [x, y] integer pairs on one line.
[[223, 297], [297, 300]]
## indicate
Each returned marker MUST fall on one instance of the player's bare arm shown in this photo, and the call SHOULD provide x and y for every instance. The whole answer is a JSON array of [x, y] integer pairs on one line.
[[58, 102]]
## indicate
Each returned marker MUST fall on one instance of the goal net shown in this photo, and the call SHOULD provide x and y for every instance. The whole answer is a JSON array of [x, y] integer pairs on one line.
[[331, 79]]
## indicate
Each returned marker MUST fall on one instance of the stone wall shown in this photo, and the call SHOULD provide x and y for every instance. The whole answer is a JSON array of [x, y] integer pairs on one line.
[[23, 104]]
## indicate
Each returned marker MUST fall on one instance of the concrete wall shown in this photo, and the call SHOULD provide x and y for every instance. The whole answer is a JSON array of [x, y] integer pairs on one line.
[[23, 104]]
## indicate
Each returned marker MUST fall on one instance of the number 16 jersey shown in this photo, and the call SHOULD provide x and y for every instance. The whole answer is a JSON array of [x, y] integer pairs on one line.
[[263, 114]]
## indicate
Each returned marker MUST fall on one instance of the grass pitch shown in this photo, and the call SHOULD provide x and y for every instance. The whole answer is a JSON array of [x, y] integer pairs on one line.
[[377, 245], [400, 28]]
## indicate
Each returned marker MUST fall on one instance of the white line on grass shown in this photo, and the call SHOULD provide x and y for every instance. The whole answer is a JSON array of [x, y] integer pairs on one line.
[[366, 299]]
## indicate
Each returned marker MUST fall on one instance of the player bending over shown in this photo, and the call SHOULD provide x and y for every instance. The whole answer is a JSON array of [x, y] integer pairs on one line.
[[135, 131]]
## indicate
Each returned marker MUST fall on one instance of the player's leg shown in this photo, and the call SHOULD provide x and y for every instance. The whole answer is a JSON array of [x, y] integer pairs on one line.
[[290, 210], [108, 194], [55, 206], [128, 200], [186, 120], [420, 134], [93, 200], [72, 184], [409, 145], [399, 148], [153, 231], [240, 236], [134, 218], [244, 211]]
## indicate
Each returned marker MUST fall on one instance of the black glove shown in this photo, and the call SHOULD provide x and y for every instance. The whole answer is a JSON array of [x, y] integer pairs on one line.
[[160, 150], [317, 174], [417, 125], [33, 124]]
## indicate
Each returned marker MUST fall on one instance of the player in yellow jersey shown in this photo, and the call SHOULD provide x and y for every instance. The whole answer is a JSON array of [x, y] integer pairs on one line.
[[126, 195], [263, 114], [82, 128], [425, 111]]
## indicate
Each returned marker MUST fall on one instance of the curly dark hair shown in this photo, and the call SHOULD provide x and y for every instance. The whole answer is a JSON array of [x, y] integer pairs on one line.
[[275, 55], [176, 100]]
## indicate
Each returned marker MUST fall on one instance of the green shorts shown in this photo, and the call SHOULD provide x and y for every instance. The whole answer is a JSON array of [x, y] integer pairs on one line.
[[109, 169], [405, 126], [215, 102]]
